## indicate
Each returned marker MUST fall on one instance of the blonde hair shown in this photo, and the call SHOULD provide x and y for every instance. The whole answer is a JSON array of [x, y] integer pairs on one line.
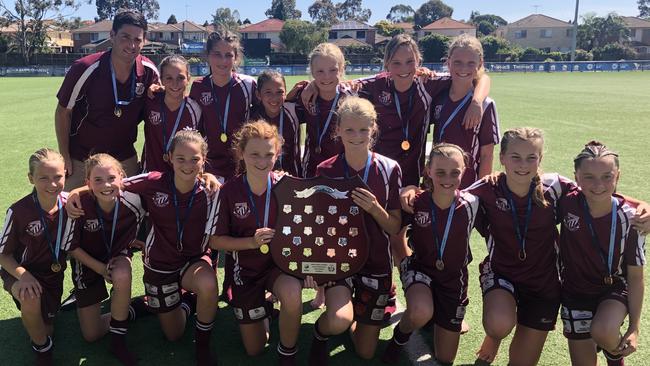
[[328, 50], [189, 137], [398, 41], [231, 39], [446, 150], [42, 155], [530, 134], [355, 107], [471, 43], [260, 129], [102, 160]]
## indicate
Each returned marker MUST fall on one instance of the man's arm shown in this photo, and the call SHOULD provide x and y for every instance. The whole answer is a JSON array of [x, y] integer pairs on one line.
[[62, 123]]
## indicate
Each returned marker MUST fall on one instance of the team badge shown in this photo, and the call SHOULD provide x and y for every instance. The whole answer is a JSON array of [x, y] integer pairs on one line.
[[296, 240], [319, 241], [353, 232], [502, 204], [286, 252], [241, 210], [139, 88], [161, 199], [307, 231], [354, 210], [385, 98], [34, 228], [309, 209], [286, 209], [422, 218], [306, 252], [343, 242], [91, 225], [352, 253], [154, 118], [297, 219], [345, 267], [320, 219], [206, 98], [572, 222], [286, 230], [331, 231], [293, 266], [343, 220], [331, 253], [332, 210]]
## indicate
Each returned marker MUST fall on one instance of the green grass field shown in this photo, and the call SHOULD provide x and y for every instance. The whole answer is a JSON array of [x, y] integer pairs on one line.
[[571, 108]]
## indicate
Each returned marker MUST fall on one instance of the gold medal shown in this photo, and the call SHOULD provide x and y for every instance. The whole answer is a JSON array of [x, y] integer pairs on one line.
[[440, 265], [406, 145], [264, 248], [522, 255], [223, 137], [56, 267], [609, 280], [117, 112]]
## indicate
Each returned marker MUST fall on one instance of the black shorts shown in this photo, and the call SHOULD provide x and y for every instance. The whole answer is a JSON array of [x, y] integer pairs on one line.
[[578, 310], [50, 298]]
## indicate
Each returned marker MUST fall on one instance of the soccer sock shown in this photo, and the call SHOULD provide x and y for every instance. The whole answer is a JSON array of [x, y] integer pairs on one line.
[[202, 342], [137, 308], [287, 355], [44, 352], [118, 329], [318, 353], [188, 303], [613, 360], [394, 348]]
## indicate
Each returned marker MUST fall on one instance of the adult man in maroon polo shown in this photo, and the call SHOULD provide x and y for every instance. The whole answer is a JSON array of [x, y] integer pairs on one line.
[[102, 98]]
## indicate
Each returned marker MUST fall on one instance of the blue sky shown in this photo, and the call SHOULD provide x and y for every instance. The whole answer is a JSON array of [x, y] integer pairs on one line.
[[199, 11]]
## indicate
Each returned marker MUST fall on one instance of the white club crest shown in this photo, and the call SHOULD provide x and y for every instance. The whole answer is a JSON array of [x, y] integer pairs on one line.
[[91, 225], [241, 210], [139, 88], [422, 218], [502, 204], [161, 199], [154, 118], [385, 98], [34, 228], [206, 98], [572, 222]]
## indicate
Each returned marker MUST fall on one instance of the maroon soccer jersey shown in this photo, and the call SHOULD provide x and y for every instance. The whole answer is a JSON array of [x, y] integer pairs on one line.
[[320, 142], [89, 235], [24, 238], [380, 91], [289, 160], [242, 95], [162, 251], [159, 124], [236, 218], [456, 255], [582, 268], [88, 91], [384, 181], [487, 132], [538, 272]]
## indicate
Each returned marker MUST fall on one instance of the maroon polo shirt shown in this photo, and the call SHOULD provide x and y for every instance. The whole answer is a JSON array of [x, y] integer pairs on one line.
[[88, 91]]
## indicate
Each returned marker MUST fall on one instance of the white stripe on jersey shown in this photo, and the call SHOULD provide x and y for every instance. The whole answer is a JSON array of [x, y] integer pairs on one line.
[[213, 214], [625, 214], [68, 234], [135, 179], [134, 203], [6, 229], [386, 166], [151, 66], [80, 83], [194, 109]]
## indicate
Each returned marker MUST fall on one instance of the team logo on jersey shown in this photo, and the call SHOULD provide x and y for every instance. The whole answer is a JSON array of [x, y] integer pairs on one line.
[[154, 118], [91, 225], [241, 210], [34, 228], [385, 98], [161, 199], [139, 88], [437, 110], [311, 108], [206, 98], [502, 204], [422, 218], [572, 222]]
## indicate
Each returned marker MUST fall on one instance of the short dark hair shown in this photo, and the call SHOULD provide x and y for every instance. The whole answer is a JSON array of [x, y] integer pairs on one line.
[[129, 17]]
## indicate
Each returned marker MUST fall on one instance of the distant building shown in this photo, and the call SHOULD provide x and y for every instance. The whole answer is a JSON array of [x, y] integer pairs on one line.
[[352, 29], [266, 29], [58, 40], [639, 34], [447, 27], [538, 31], [87, 39]]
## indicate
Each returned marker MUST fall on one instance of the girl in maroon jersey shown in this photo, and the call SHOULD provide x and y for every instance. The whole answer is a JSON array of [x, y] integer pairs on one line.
[[168, 112], [602, 259], [99, 244], [359, 302], [434, 278], [31, 251], [243, 228]]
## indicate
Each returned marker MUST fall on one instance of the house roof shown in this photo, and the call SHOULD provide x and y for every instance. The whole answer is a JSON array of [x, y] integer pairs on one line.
[[103, 26], [268, 25], [379, 39], [96, 44], [404, 25], [347, 42], [448, 23], [189, 26], [351, 25], [539, 21], [162, 27], [635, 22]]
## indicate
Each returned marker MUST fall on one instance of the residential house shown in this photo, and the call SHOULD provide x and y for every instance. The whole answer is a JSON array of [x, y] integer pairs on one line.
[[447, 27], [639, 34], [58, 40], [538, 31], [353, 29], [86, 39], [266, 29]]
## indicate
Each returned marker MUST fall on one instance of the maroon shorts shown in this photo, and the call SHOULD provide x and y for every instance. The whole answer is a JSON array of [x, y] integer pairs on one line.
[[578, 310], [370, 296], [533, 309], [449, 304], [163, 289], [249, 296], [50, 298]]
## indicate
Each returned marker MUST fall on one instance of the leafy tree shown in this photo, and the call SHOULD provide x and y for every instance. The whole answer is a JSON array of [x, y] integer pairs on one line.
[[400, 13], [582, 55], [246, 21], [301, 36], [491, 47], [70, 24], [486, 23], [644, 8], [172, 19], [385, 28], [323, 12], [431, 11], [283, 10], [225, 18], [29, 16], [532, 54], [352, 10], [434, 47], [597, 31], [4, 44], [106, 9], [149, 8], [614, 51]]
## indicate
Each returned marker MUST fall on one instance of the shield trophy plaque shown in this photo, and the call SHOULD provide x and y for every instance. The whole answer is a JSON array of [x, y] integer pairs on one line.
[[318, 228]]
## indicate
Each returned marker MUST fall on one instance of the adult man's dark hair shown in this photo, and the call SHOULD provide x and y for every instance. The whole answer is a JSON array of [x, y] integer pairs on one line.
[[129, 17]]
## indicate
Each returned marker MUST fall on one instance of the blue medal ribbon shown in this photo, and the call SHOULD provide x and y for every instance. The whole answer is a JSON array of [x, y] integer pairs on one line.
[[267, 202], [180, 224], [223, 120], [56, 249], [454, 113], [406, 118], [594, 237], [521, 236], [100, 217], [442, 244], [366, 170], [133, 77], [320, 133], [167, 143]]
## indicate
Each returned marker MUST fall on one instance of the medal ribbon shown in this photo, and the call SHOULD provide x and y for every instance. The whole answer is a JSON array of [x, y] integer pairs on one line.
[[166, 143], [366, 170], [267, 203], [454, 113], [180, 224], [521, 237], [223, 120], [405, 126], [41, 214], [441, 245], [100, 216], [320, 133], [133, 77], [594, 237]]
